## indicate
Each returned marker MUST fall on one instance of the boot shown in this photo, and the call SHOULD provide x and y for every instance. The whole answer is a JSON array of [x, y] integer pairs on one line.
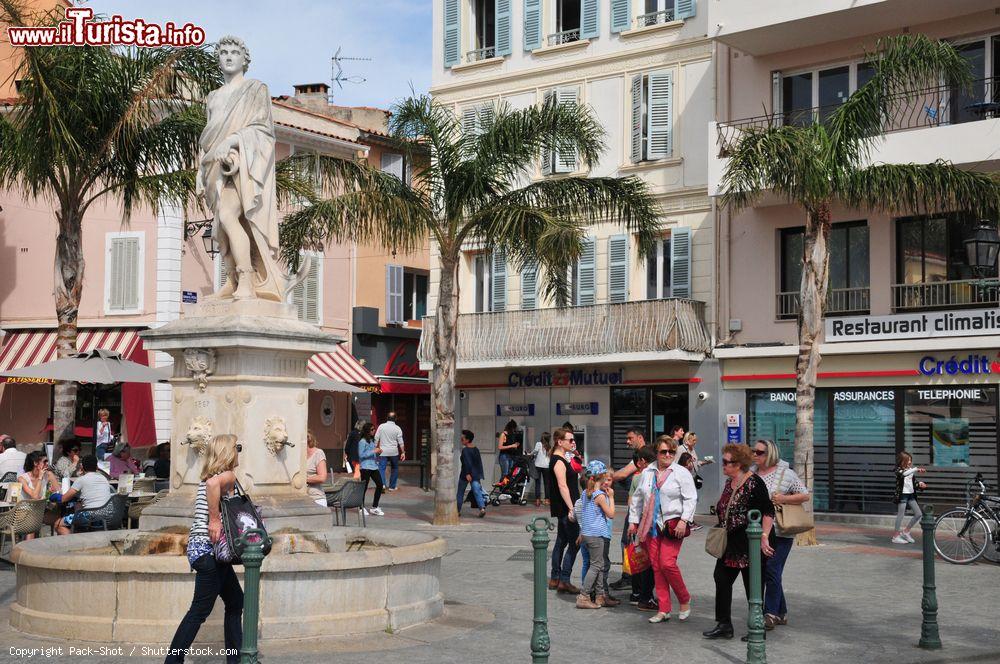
[[720, 631], [569, 588], [608, 601], [553, 584], [583, 601]]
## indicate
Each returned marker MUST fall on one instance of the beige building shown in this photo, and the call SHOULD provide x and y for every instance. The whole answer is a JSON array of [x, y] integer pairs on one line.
[[629, 349], [910, 351]]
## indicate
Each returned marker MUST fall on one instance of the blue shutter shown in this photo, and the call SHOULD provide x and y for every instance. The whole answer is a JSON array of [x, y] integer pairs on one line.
[[529, 286], [532, 24], [548, 154], [618, 268], [498, 283], [587, 273], [621, 15], [659, 118], [452, 33], [503, 17], [590, 19], [680, 262], [564, 161], [684, 9], [636, 120]]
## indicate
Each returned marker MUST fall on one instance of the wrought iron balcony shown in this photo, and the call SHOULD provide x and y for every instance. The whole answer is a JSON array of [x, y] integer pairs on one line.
[[946, 294], [646, 326], [481, 54], [564, 37], [839, 301], [916, 109], [654, 18]]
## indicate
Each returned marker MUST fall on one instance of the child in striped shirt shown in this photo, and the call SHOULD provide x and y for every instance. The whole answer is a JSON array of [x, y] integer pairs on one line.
[[595, 510]]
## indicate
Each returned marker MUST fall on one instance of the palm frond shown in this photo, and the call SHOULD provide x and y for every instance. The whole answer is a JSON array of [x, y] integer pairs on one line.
[[934, 187]]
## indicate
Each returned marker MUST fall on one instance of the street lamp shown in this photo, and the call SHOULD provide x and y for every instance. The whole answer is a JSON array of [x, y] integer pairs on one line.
[[210, 243], [981, 249]]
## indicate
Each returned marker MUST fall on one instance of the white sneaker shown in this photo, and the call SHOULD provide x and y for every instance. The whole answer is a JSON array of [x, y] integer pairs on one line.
[[899, 539], [908, 537], [376, 511]]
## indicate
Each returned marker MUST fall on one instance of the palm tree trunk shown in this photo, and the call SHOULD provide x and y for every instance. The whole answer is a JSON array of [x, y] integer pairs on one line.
[[69, 267], [445, 361], [815, 265]]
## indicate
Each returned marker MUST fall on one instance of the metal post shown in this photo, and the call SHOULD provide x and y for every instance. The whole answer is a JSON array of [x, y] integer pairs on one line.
[[929, 637], [755, 622], [539, 529], [253, 557]]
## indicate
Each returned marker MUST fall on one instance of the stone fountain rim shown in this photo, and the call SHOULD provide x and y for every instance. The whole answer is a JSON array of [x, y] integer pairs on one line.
[[406, 547]]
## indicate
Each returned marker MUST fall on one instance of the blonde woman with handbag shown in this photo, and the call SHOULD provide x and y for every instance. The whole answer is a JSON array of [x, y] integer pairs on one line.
[[785, 489]]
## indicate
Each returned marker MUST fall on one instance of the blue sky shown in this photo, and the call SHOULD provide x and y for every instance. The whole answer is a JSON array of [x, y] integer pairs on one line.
[[292, 41]]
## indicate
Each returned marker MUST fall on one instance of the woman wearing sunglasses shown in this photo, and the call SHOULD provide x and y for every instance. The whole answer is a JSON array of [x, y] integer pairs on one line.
[[785, 488], [743, 492]]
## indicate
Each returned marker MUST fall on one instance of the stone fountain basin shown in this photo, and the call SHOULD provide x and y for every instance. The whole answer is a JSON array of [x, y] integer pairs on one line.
[[135, 586]]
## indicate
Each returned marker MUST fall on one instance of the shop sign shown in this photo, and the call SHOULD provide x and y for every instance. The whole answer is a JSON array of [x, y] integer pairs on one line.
[[966, 365], [24, 380], [963, 394], [564, 377], [583, 408], [189, 297], [975, 322], [516, 410], [734, 429], [864, 395], [403, 361]]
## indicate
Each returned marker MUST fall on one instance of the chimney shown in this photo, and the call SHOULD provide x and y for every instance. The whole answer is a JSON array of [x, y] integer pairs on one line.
[[313, 96]]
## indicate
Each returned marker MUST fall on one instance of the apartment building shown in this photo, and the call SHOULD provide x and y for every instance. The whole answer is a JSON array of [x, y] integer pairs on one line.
[[910, 347], [629, 349]]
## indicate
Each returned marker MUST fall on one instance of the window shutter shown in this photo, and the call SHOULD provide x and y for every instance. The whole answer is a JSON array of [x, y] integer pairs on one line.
[[529, 286], [123, 263], [547, 154], [590, 19], [393, 164], [498, 283], [636, 140], [452, 32], [393, 293], [469, 122], [680, 262], [621, 15], [565, 160], [777, 103], [311, 299], [684, 9], [660, 116], [587, 272], [503, 17], [618, 268], [532, 24]]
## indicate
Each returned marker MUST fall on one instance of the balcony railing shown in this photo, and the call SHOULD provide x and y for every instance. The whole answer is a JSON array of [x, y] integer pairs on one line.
[[564, 37], [946, 294], [929, 107], [481, 54], [567, 332], [839, 301], [654, 18]]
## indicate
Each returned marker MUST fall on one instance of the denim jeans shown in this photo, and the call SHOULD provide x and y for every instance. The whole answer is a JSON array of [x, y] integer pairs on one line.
[[564, 550], [774, 594], [585, 563], [477, 492], [393, 461], [506, 462], [212, 579]]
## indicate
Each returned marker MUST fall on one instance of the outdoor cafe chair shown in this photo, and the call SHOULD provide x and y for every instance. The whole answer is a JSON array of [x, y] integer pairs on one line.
[[8, 477], [136, 508], [109, 516], [24, 518], [350, 496]]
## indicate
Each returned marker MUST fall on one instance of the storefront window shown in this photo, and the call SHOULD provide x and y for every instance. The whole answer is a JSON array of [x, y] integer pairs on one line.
[[864, 447]]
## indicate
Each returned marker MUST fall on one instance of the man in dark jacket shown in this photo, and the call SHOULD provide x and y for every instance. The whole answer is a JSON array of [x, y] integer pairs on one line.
[[471, 472]]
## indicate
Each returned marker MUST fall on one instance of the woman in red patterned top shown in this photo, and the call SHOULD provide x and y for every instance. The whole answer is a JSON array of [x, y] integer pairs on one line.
[[744, 491]]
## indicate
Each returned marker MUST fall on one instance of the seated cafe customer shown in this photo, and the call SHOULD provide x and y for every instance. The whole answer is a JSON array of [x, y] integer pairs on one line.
[[91, 489], [122, 461], [68, 465]]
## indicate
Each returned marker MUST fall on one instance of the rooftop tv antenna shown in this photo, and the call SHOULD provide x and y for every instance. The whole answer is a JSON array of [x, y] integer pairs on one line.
[[337, 71]]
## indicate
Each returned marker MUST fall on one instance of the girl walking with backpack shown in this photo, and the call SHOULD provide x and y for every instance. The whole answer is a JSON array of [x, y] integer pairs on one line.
[[594, 511]]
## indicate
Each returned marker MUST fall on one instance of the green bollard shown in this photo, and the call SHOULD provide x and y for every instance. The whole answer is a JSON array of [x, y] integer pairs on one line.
[[929, 637], [253, 557], [539, 529], [756, 653]]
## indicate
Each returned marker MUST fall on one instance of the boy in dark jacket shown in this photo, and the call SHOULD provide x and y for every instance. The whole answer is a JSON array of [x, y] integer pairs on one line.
[[471, 472]]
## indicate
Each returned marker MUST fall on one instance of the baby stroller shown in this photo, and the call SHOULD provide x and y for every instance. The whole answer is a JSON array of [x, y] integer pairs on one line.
[[512, 485]]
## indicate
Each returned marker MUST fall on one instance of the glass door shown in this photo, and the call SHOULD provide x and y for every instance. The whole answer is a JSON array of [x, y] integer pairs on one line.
[[669, 408]]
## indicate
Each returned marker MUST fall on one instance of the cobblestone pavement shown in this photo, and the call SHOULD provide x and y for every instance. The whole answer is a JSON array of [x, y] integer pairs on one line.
[[854, 598]]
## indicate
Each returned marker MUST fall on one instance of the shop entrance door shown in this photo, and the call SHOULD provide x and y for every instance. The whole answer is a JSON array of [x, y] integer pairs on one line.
[[653, 409], [669, 408]]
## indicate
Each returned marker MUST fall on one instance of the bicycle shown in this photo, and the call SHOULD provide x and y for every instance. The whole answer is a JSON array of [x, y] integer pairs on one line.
[[964, 534]]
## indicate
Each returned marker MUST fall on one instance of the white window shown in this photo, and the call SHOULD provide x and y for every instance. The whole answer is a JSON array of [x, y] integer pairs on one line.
[[658, 271], [651, 117], [307, 296], [392, 164], [491, 282], [668, 267], [415, 286], [560, 160], [583, 276], [803, 95], [123, 272], [656, 12]]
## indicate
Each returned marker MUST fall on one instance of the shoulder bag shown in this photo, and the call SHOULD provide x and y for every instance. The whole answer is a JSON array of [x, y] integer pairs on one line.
[[239, 515], [717, 537], [791, 519]]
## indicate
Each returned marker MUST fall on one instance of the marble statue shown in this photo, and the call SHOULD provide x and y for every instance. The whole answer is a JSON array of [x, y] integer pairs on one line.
[[236, 179]]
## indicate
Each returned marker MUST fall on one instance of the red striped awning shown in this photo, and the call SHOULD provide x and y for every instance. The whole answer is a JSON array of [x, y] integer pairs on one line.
[[341, 365], [26, 348]]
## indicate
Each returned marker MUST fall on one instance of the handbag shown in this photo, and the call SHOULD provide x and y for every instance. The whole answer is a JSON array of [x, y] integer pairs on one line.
[[791, 519], [239, 515], [668, 531], [717, 538]]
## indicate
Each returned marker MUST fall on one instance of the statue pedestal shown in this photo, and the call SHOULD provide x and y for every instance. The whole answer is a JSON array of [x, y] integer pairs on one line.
[[240, 368]]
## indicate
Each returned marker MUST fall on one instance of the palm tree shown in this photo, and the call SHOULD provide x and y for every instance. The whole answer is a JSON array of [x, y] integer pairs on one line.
[[474, 188], [94, 123], [829, 160]]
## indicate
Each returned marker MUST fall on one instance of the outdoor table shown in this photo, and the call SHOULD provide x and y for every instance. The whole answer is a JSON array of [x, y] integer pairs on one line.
[[984, 109], [137, 495]]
